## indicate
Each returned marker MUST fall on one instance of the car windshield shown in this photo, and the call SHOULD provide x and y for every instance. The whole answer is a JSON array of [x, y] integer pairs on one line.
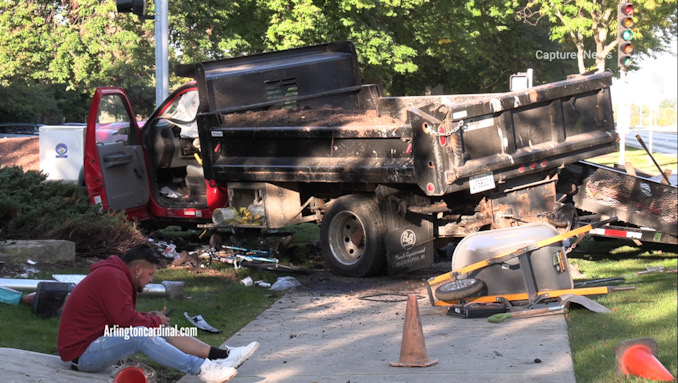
[[182, 112]]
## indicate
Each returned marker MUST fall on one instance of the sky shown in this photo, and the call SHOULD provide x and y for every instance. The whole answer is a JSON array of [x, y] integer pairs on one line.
[[656, 80]]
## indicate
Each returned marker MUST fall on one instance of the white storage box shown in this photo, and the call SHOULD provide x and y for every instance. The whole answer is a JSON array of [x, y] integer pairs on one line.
[[62, 151]]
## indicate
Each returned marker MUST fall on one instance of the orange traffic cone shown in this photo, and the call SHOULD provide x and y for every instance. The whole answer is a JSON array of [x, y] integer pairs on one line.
[[412, 348], [637, 357]]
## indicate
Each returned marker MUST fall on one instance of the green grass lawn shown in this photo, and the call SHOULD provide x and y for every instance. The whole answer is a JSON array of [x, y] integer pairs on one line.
[[218, 296], [640, 160], [215, 293], [648, 311]]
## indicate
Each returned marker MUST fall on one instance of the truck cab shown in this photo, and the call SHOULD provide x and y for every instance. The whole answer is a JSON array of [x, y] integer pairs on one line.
[[150, 169]]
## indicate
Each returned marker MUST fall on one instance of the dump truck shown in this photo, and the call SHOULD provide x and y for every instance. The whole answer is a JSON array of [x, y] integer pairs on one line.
[[280, 138]]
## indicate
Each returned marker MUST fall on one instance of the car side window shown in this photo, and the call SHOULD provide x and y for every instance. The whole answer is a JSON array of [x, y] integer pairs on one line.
[[113, 120]]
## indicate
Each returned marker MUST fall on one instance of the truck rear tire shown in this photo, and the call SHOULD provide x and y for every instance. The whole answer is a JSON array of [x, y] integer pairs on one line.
[[352, 237]]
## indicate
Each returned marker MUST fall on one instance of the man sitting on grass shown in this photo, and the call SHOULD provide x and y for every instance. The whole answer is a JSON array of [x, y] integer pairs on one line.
[[107, 298]]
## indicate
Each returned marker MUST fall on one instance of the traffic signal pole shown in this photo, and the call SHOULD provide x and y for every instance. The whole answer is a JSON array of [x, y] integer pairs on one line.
[[138, 7], [161, 51], [623, 118], [625, 23]]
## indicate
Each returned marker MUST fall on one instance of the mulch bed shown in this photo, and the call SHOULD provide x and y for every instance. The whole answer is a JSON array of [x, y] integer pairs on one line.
[[20, 151]]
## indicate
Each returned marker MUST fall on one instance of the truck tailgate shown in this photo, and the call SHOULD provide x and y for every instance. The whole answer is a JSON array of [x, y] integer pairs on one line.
[[507, 135]]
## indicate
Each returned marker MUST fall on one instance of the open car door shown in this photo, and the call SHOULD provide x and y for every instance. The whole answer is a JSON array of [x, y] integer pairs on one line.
[[115, 167]]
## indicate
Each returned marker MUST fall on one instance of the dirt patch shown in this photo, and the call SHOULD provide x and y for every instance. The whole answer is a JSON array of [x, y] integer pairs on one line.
[[309, 118], [26, 270], [20, 151]]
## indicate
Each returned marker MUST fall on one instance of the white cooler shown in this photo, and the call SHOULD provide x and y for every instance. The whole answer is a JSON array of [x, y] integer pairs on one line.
[[62, 151]]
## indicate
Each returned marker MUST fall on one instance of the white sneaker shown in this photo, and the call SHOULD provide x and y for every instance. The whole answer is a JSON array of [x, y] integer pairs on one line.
[[213, 372], [238, 355]]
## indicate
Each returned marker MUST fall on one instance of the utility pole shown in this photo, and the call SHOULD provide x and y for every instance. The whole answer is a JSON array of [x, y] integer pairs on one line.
[[138, 7], [623, 119], [161, 51]]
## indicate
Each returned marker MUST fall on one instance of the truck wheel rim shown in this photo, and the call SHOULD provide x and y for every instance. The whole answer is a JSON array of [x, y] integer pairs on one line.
[[347, 238]]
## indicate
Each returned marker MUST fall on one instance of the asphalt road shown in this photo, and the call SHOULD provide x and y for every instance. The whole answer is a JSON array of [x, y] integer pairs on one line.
[[664, 141]]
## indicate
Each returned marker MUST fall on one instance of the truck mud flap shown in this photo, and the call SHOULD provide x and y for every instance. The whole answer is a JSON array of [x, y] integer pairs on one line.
[[408, 240]]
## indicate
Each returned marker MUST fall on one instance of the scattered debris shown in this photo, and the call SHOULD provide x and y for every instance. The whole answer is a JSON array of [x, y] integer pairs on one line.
[[284, 283], [169, 193], [169, 289], [565, 301], [186, 259], [199, 322], [478, 309], [169, 250]]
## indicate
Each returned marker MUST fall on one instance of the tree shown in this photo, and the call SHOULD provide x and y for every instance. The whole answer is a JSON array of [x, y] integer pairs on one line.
[[586, 23], [254, 26], [79, 43], [403, 45], [475, 48]]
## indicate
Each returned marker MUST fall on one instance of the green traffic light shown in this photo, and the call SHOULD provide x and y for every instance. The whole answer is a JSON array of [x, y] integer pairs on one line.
[[627, 35]]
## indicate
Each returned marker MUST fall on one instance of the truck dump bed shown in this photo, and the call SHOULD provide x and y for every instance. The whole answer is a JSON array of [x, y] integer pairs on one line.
[[303, 116]]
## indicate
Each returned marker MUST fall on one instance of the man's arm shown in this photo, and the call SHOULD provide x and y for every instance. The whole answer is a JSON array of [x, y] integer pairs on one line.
[[118, 304]]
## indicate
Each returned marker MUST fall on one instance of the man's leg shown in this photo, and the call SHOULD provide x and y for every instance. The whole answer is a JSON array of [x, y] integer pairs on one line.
[[107, 350], [190, 345], [230, 356]]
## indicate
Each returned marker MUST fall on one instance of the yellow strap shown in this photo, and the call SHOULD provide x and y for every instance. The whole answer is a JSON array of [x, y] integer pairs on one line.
[[524, 297], [475, 266]]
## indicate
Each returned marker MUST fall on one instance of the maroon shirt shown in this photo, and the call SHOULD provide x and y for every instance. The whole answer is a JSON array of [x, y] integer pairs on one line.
[[105, 297]]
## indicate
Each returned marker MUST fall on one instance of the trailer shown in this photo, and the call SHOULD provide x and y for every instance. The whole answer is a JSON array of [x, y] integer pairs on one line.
[[646, 208]]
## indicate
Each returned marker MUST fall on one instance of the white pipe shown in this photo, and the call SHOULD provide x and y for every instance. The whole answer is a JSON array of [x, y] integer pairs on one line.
[[166, 288]]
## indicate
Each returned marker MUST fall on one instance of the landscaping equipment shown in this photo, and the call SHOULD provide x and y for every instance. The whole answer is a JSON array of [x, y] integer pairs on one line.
[[526, 263], [503, 317], [565, 301]]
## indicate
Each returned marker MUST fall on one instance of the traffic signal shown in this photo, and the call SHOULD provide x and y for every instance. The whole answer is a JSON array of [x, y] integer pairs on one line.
[[138, 7], [624, 34]]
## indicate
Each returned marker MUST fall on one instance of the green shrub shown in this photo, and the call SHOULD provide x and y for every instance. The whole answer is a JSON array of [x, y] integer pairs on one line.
[[33, 208]]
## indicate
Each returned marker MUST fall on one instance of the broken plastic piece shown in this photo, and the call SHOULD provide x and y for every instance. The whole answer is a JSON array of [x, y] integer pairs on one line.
[[169, 193], [284, 283], [200, 323]]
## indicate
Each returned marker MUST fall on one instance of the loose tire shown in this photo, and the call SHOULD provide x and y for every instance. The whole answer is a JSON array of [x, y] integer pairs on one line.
[[352, 236], [459, 289]]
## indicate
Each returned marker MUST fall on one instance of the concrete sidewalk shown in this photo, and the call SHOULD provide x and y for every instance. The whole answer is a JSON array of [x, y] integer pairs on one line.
[[314, 335], [321, 337]]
